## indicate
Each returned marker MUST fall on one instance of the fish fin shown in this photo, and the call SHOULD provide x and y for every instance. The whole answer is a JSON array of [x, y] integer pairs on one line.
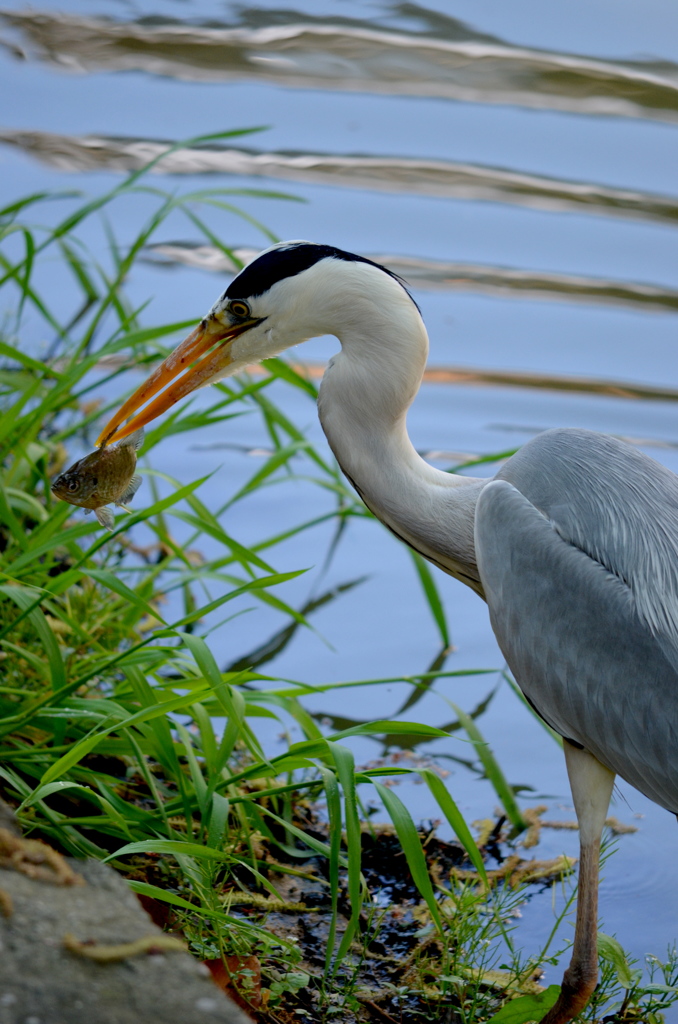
[[87, 511], [134, 485], [105, 517], [134, 440]]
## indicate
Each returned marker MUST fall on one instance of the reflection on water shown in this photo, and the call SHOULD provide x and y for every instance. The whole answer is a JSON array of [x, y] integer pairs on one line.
[[440, 178], [436, 275], [460, 375], [297, 50], [276, 644], [537, 381]]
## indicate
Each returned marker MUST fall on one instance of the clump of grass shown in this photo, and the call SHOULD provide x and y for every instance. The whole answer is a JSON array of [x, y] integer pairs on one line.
[[120, 736]]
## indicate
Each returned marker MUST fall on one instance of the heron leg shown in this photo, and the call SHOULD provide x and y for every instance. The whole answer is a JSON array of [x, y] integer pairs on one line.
[[591, 785]]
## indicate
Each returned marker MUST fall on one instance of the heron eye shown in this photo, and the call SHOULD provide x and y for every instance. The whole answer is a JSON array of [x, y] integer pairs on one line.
[[239, 309]]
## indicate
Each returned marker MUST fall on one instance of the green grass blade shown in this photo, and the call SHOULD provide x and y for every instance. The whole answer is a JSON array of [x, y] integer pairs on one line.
[[218, 820], [112, 582], [455, 818], [527, 1009], [171, 846], [411, 845], [25, 600], [492, 770], [526, 704], [334, 815], [343, 759], [85, 746], [207, 740], [432, 596], [199, 784], [393, 728]]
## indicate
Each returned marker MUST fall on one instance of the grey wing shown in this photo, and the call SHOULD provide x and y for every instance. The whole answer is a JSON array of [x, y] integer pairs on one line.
[[134, 485], [572, 635]]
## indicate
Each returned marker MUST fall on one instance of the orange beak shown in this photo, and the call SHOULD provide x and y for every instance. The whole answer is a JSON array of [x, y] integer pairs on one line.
[[193, 363]]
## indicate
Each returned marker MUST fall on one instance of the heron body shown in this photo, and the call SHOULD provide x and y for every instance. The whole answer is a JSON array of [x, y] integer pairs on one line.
[[578, 537], [573, 544]]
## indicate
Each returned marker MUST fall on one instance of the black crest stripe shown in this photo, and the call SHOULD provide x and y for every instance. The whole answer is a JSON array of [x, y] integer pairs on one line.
[[287, 261]]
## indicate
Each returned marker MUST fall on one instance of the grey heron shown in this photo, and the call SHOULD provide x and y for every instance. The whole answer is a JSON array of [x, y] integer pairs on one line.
[[573, 544]]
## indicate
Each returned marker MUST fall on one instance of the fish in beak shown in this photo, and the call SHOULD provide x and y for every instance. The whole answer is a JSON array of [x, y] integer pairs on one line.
[[201, 357]]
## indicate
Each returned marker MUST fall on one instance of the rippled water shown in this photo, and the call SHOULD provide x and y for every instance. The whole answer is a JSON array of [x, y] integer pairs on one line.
[[517, 164]]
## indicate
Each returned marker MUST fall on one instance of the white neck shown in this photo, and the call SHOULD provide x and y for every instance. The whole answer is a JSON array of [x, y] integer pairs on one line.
[[363, 403]]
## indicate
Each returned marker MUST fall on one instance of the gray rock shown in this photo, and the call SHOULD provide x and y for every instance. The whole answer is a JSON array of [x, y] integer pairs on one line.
[[43, 983], [8, 819]]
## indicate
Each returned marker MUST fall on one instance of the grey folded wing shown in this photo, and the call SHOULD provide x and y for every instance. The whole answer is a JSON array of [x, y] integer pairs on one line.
[[571, 632]]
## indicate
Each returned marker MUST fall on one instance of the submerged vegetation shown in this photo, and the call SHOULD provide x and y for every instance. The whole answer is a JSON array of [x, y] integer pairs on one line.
[[122, 738]]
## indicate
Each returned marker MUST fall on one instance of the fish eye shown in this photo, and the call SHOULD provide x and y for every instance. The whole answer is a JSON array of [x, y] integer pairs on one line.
[[239, 308], [72, 485]]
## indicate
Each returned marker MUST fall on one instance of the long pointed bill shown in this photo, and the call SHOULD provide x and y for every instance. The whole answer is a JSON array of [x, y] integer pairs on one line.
[[192, 364]]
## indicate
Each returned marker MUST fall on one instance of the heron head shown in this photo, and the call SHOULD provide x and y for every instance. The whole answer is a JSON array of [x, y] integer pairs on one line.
[[286, 295]]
